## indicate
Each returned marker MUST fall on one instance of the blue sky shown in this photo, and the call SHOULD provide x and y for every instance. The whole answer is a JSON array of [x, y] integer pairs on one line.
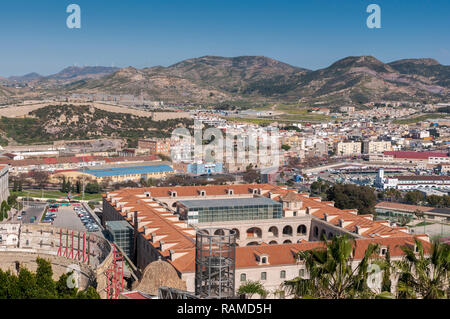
[[312, 34]]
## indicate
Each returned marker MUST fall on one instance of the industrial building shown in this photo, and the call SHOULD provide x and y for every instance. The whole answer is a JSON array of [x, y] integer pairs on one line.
[[118, 174]]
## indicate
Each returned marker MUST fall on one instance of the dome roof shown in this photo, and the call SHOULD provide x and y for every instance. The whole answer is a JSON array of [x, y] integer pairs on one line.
[[159, 274]]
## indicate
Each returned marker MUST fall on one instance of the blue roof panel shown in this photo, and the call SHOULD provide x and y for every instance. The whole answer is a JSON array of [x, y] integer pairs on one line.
[[108, 172]]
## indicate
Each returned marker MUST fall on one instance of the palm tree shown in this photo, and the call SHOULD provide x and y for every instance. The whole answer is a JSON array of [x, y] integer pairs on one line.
[[424, 276], [251, 288], [331, 274]]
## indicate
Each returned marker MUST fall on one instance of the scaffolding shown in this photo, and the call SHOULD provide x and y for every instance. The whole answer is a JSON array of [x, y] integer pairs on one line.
[[114, 275], [215, 263], [67, 248]]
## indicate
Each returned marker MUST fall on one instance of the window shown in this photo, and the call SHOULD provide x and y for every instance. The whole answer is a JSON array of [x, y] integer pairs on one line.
[[243, 277], [301, 273], [263, 276], [283, 274], [383, 251], [264, 260]]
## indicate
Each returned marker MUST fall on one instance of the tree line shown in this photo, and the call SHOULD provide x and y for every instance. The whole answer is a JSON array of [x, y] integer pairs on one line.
[[40, 285]]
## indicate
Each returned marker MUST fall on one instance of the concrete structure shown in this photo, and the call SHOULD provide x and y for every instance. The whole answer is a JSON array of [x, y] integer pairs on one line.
[[155, 146], [420, 159], [4, 182], [376, 147], [348, 148], [412, 182], [393, 210], [20, 245]]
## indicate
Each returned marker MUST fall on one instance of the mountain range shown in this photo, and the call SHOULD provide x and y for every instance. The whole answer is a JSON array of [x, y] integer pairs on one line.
[[213, 79]]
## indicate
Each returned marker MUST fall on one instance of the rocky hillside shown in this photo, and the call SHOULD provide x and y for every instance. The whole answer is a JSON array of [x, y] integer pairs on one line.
[[364, 79], [214, 79]]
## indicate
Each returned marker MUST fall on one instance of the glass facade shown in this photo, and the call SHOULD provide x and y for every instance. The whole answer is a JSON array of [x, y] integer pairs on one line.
[[235, 210], [122, 234]]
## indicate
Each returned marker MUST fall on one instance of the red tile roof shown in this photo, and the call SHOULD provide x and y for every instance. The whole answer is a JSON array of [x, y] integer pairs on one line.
[[415, 155]]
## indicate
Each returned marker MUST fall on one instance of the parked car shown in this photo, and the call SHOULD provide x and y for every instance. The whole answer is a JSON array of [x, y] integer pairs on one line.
[[23, 213], [19, 217]]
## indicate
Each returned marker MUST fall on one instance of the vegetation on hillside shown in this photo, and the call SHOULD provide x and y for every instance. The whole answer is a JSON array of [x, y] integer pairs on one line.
[[69, 122]]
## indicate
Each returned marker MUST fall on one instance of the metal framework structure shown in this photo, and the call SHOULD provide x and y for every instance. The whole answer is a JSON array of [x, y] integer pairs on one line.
[[67, 247], [172, 293], [114, 275], [215, 263]]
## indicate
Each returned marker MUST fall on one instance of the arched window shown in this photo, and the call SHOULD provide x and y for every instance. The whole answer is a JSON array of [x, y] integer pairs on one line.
[[273, 231], [287, 242], [254, 232], [287, 231], [301, 230], [243, 277]]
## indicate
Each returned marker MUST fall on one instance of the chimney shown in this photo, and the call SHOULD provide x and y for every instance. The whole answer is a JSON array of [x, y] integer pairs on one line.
[[308, 210], [325, 217], [358, 229], [341, 223]]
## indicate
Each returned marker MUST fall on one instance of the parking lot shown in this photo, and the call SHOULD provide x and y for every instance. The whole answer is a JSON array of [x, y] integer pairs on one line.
[[66, 217], [34, 210]]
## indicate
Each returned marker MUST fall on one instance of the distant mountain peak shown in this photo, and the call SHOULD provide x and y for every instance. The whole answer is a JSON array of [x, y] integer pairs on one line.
[[27, 77], [423, 61]]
